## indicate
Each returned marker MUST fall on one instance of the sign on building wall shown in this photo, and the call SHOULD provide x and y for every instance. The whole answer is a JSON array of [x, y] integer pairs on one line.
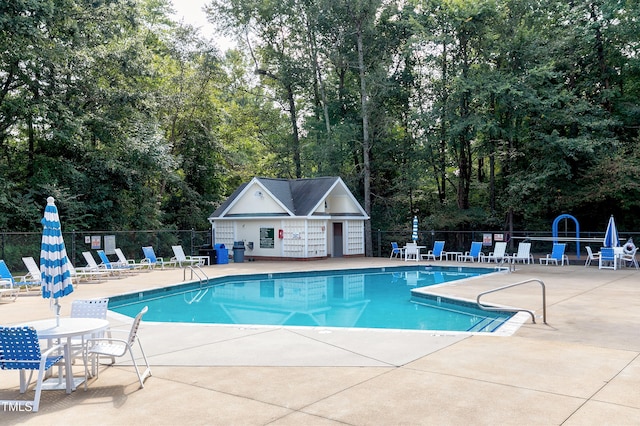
[[266, 237]]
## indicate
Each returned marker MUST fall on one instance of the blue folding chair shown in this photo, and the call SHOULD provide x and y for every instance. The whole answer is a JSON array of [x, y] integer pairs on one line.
[[396, 251], [20, 350]]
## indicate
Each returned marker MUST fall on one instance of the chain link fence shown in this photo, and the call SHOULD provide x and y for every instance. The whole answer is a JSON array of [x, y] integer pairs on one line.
[[16, 245]]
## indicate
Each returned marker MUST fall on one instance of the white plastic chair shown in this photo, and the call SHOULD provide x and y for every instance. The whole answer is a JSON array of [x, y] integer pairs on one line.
[[497, 254], [181, 258], [411, 251], [523, 254], [119, 347], [591, 257], [90, 308]]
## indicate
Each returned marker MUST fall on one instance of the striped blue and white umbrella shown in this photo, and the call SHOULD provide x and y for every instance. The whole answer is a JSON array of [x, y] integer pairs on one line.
[[54, 263], [611, 236], [414, 232]]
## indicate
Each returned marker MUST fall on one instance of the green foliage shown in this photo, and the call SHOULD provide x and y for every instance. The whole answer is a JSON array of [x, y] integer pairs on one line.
[[477, 110]]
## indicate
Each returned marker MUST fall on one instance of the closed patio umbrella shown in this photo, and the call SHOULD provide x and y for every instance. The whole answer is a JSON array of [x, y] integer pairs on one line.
[[414, 232], [54, 263], [611, 235]]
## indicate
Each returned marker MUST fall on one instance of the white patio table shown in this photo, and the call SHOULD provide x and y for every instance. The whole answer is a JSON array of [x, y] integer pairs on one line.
[[68, 328]]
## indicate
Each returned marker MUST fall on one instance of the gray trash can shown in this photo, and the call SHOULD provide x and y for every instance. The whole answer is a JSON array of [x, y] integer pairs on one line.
[[238, 251]]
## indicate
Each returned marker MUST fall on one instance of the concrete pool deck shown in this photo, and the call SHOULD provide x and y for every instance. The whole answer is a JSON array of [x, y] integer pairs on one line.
[[581, 368]]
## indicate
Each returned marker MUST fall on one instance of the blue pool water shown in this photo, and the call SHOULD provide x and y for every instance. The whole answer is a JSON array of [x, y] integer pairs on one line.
[[364, 298]]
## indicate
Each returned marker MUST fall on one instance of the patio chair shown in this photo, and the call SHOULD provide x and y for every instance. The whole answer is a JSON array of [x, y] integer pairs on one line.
[[473, 254], [152, 260], [524, 253], [117, 348], [86, 274], [556, 255], [628, 259], [88, 308], [608, 258], [396, 251], [438, 251], [114, 267], [591, 256], [180, 258], [498, 253], [92, 266], [7, 290], [411, 251], [24, 280], [122, 260], [20, 350], [34, 276]]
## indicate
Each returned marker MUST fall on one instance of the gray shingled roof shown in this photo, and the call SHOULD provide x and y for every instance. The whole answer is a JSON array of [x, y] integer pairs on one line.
[[298, 195]]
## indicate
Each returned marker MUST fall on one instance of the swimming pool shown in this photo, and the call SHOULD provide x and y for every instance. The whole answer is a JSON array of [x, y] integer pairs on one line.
[[362, 298]]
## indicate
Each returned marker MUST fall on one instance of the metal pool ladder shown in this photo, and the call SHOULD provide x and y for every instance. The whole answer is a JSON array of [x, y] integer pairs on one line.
[[202, 276], [533, 317]]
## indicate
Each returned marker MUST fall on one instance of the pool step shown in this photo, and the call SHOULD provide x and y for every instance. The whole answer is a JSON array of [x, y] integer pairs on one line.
[[487, 325]]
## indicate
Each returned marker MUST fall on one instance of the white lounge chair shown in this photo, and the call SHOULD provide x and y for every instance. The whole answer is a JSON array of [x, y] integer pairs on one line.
[[629, 259], [122, 260], [524, 253], [94, 267], [498, 253], [182, 259]]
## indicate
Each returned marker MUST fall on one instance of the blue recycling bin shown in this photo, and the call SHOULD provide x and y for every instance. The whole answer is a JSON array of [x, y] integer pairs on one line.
[[222, 254]]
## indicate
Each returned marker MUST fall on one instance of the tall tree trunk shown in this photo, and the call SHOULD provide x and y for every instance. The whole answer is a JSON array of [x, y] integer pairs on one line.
[[366, 144], [296, 136]]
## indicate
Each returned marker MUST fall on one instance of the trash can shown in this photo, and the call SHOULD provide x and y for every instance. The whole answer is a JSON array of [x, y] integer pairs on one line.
[[207, 250], [222, 254], [238, 251]]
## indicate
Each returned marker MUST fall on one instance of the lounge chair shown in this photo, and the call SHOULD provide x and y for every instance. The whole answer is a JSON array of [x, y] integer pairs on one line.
[[115, 267], [24, 280], [473, 254], [438, 251], [122, 260], [152, 260], [94, 267], [591, 257], [111, 347], [498, 253], [34, 275], [396, 251], [523, 255], [181, 259], [20, 350], [411, 251], [7, 290], [86, 274], [608, 258], [556, 255]]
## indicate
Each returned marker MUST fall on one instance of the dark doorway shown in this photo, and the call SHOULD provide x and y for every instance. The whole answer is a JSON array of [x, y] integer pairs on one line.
[[337, 239]]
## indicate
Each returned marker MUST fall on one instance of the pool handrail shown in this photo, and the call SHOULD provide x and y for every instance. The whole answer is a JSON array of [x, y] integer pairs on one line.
[[533, 317]]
